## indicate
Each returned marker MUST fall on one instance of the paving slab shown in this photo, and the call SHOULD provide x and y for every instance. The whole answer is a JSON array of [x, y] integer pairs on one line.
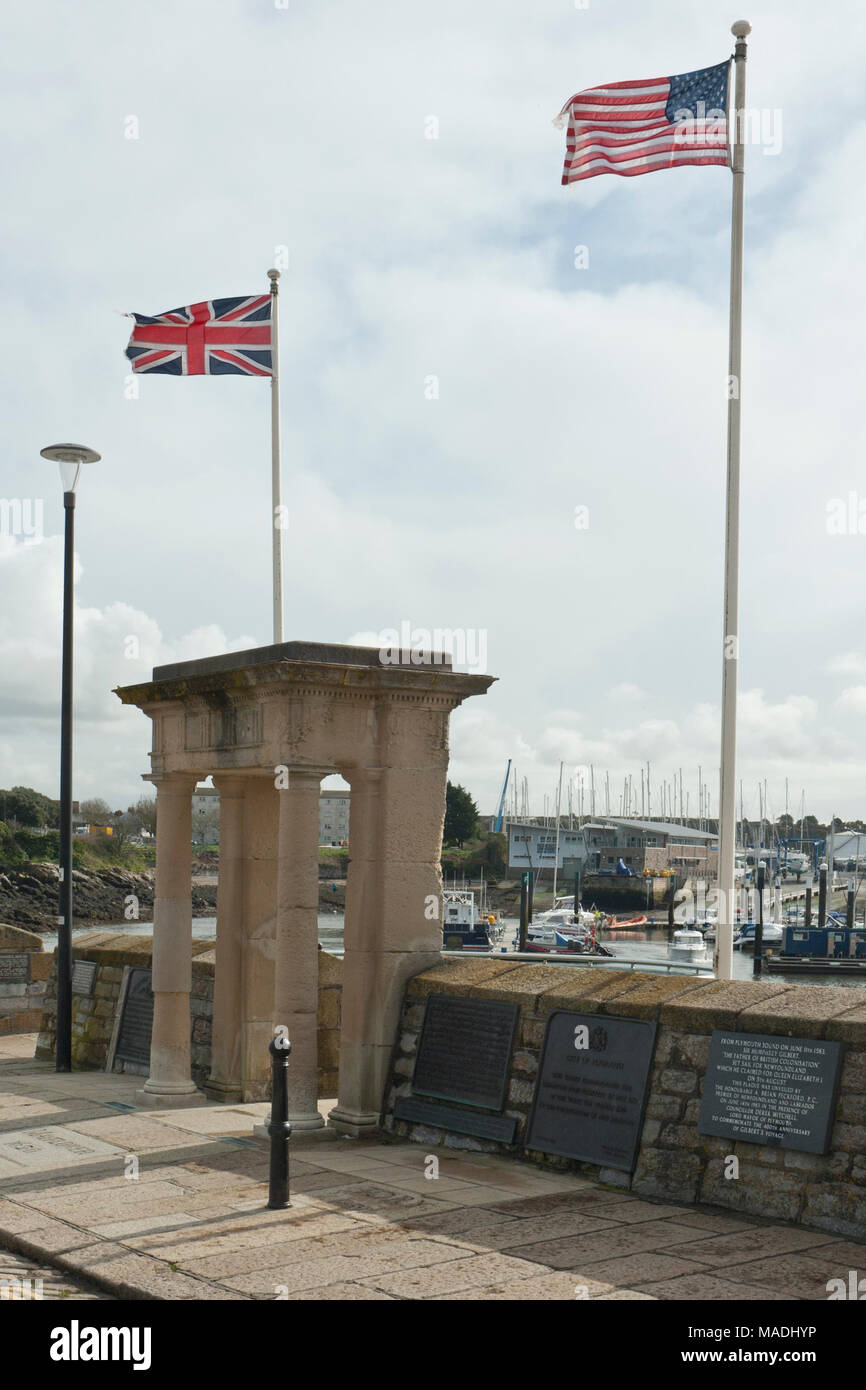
[[54, 1147], [477, 1271], [189, 1221], [641, 1269], [709, 1288], [340, 1293], [570, 1251], [555, 1285], [23, 1280], [794, 1275], [738, 1246]]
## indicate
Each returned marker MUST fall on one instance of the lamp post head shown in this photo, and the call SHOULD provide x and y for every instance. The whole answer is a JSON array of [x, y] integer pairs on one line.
[[70, 457]]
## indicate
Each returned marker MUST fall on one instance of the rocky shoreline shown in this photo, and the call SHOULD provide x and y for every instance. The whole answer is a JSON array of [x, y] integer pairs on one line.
[[28, 896]]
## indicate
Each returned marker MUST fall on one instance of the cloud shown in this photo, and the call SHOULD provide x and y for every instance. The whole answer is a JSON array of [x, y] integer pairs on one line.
[[626, 691], [848, 664], [452, 258], [853, 699], [115, 645]]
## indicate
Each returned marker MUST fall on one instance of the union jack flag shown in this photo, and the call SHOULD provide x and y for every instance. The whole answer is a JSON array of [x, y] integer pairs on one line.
[[219, 337]]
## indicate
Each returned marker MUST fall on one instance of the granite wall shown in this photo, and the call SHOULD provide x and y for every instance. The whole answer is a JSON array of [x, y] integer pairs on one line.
[[675, 1162], [94, 1015], [24, 972]]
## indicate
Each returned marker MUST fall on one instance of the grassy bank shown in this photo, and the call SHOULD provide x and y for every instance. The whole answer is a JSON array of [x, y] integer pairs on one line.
[[20, 846]]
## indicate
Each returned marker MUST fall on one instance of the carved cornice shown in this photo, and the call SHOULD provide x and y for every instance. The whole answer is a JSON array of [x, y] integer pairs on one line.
[[430, 686]]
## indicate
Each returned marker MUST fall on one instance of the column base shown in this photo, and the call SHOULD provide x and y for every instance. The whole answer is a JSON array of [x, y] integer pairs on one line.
[[223, 1092], [357, 1125], [169, 1100], [302, 1128]]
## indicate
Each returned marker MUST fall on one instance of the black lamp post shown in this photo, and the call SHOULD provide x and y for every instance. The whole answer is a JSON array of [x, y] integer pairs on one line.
[[70, 458]]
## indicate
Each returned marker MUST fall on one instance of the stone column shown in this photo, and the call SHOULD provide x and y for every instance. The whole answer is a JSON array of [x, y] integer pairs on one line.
[[225, 1082], [296, 970], [393, 926], [261, 825], [169, 1083]]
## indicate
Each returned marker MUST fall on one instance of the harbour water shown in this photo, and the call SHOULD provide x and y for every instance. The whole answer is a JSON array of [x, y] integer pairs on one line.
[[204, 929], [645, 945]]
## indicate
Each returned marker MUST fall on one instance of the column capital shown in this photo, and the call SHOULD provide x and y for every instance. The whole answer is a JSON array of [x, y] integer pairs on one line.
[[230, 783], [306, 777], [173, 782]]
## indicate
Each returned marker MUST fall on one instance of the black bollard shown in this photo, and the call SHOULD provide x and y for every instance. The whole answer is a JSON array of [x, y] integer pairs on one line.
[[849, 916], [758, 961], [524, 903], [822, 896], [279, 1128], [807, 910]]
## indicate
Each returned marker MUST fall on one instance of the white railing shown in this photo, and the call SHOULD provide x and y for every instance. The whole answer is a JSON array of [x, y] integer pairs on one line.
[[650, 967]]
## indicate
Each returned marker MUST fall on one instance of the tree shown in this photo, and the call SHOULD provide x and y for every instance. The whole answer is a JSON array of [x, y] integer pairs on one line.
[[96, 811], [491, 856], [28, 807], [144, 812], [785, 824], [461, 815]]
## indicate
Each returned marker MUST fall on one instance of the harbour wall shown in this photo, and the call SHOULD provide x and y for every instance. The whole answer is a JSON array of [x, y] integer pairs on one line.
[[24, 972], [95, 1014], [674, 1162]]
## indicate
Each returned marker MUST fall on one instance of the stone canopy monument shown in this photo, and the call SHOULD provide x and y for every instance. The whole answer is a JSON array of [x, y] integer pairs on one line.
[[269, 724]]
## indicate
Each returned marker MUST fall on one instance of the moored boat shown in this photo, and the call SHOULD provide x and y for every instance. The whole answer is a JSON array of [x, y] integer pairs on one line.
[[688, 944], [462, 928]]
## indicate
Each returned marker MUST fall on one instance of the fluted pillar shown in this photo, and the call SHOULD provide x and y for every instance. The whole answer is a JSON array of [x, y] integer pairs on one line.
[[169, 1083], [296, 966], [226, 1080]]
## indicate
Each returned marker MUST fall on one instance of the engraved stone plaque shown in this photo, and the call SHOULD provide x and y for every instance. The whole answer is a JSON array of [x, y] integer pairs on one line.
[[14, 968], [136, 1020], [591, 1089], [771, 1091], [464, 1051], [83, 977]]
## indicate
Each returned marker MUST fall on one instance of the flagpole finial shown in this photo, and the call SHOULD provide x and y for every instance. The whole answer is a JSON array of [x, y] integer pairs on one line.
[[740, 28], [273, 276]]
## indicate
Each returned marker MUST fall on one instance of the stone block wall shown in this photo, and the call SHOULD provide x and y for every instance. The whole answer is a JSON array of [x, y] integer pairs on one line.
[[93, 1016], [675, 1162], [24, 972]]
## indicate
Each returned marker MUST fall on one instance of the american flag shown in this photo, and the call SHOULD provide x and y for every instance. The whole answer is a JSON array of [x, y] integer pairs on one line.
[[219, 337], [633, 128]]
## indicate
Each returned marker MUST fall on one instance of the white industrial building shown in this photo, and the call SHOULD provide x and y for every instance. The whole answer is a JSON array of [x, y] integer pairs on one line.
[[535, 847], [333, 817]]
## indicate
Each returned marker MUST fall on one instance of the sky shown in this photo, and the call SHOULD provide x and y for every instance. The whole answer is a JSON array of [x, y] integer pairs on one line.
[[457, 378]]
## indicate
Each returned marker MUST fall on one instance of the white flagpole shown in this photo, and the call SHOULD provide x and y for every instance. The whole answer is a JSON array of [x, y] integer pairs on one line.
[[723, 962], [276, 462]]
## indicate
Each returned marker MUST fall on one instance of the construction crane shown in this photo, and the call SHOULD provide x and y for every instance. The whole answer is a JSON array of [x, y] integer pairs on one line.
[[498, 825]]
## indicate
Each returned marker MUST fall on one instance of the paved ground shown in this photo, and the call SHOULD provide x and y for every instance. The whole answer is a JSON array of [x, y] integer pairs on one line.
[[172, 1205], [21, 1278]]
